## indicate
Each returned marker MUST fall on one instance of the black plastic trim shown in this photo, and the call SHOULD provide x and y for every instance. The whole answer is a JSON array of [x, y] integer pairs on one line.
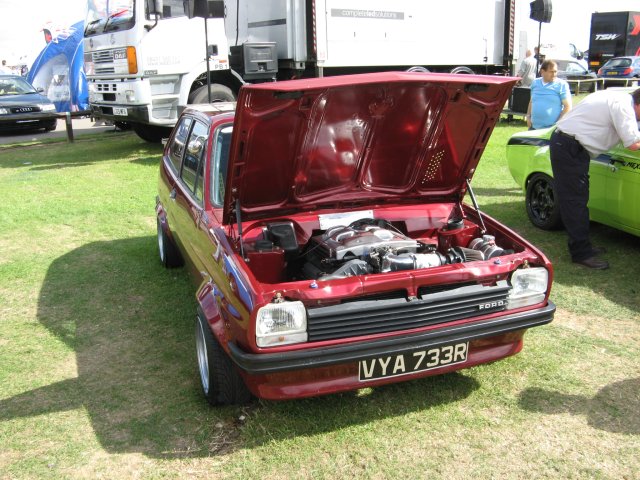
[[528, 141], [134, 114], [262, 363]]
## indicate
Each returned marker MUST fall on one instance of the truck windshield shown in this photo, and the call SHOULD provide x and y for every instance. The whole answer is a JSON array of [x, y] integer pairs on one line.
[[108, 16]]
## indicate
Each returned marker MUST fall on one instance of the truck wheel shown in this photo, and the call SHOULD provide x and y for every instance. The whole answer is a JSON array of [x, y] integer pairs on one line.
[[151, 133], [418, 69], [169, 254], [221, 383], [542, 207], [219, 93], [465, 70]]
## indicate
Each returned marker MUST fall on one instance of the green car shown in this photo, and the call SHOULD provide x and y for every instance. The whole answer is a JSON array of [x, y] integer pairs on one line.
[[614, 183]]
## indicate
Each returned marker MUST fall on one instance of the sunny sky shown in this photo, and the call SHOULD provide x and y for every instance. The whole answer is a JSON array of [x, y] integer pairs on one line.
[[21, 22]]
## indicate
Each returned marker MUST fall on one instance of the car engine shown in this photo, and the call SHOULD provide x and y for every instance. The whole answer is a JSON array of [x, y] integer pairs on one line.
[[366, 247]]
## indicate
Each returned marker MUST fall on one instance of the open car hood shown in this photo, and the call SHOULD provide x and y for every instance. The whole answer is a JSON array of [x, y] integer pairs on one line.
[[358, 140]]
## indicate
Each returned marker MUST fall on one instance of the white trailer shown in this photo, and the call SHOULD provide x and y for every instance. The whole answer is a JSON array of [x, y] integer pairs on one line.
[[145, 60], [459, 35]]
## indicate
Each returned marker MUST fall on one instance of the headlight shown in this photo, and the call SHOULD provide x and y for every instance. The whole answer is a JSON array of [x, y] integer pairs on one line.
[[281, 324], [4, 111], [529, 286], [47, 107]]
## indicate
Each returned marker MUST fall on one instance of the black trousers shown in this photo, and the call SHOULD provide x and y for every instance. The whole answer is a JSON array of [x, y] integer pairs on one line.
[[570, 165]]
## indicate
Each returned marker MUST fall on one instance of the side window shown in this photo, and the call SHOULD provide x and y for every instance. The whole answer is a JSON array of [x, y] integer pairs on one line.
[[171, 9], [193, 164], [219, 163], [176, 149]]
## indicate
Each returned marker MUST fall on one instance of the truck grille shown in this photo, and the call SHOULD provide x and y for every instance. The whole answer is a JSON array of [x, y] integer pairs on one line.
[[368, 317], [106, 87], [103, 60], [102, 56]]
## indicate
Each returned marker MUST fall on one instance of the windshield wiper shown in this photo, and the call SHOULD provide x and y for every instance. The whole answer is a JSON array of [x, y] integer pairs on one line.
[[90, 25], [114, 15]]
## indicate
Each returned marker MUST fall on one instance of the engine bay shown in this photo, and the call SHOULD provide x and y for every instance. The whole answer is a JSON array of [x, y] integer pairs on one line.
[[363, 247]]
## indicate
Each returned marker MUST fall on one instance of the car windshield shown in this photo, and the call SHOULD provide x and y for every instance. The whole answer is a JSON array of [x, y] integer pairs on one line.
[[618, 62], [15, 86], [108, 15]]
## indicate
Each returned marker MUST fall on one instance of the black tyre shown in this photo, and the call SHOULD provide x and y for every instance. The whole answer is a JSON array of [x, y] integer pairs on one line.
[[151, 133], [52, 126], [463, 70], [417, 69], [219, 93], [221, 383], [542, 207], [169, 254]]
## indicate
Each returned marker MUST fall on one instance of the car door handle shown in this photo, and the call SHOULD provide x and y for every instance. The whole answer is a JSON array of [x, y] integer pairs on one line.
[[172, 195]]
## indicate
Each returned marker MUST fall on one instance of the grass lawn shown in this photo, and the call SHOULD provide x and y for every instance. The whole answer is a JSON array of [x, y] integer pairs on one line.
[[98, 373]]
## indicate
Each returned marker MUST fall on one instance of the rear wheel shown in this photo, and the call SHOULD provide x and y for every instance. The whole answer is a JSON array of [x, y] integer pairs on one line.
[[542, 207], [151, 133], [221, 383], [463, 70]]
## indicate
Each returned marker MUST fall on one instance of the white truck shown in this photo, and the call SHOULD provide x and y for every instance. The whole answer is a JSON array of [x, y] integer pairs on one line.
[[146, 60]]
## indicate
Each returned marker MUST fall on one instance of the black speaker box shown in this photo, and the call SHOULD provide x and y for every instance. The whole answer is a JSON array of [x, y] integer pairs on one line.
[[541, 11], [520, 99]]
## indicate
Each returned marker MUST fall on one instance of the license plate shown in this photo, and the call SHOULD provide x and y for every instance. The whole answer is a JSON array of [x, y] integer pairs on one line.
[[612, 73], [120, 111], [412, 362]]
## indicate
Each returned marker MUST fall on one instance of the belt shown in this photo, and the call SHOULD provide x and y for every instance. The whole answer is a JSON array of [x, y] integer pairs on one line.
[[560, 132], [570, 137]]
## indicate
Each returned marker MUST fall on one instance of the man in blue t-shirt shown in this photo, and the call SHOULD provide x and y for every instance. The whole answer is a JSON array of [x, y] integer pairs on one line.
[[550, 97]]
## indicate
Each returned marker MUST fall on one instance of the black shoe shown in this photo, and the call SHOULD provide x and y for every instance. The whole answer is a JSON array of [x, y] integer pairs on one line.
[[593, 262], [598, 250]]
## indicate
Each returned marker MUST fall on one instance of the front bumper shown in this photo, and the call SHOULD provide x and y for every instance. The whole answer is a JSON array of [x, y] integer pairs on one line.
[[28, 121], [138, 114], [268, 363]]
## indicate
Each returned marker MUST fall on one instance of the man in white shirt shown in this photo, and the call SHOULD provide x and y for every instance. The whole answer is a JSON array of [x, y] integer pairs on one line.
[[4, 69], [594, 126], [527, 70]]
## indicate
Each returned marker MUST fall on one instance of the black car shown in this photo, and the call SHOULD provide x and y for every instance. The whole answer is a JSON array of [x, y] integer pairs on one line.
[[23, 107]]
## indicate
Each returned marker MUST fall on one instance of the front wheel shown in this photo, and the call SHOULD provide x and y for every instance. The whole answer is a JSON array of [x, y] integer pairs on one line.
[[169, 255], [151, 133], [221, 383], [542, 206], [219, 93]]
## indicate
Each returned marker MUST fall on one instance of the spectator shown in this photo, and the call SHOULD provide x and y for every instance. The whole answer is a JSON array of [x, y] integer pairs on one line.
[[527, 70], [4, 69], [550, 97], [597, 123]]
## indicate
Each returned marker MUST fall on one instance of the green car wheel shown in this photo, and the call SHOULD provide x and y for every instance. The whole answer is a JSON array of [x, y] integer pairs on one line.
[[542, 207]]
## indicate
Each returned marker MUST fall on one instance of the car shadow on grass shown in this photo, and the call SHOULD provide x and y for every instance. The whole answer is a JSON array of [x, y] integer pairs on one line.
[[614, 408], [81, 153], [130, 325]]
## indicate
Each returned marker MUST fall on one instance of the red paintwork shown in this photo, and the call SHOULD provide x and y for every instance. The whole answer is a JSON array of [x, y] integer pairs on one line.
[[365, 142], [361, 138], [340, 378]]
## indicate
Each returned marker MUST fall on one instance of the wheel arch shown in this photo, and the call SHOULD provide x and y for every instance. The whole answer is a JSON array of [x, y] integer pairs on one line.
[[210, 313], [192, 81]]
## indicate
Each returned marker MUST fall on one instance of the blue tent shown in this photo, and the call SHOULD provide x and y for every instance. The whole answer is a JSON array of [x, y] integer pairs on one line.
[[59, 71]]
